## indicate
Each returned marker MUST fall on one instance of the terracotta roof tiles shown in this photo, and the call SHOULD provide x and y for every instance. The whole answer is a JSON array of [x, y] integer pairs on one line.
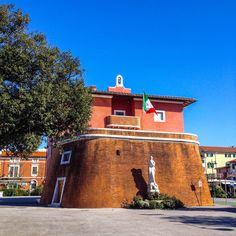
[[186, 101], [218, 149]]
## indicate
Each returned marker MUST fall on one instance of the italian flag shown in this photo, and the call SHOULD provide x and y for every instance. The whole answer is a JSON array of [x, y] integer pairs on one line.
[[147, 105]]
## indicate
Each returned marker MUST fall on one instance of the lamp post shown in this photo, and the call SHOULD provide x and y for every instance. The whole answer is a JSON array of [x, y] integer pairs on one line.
[[212, 183]]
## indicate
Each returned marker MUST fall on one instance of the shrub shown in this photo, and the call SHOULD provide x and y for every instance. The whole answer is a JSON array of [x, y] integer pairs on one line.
[[137, 198], [153, 196], [160, 204], [219, 192], [21, 192], [156, 201], [153, 204], [146, 204], [14, 192], [138, 204], [37, 192], [125, 204], [9, 192], [164, 197]]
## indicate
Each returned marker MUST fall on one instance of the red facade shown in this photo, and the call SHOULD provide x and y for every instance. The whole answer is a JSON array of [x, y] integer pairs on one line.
[[24, 173], [119, 99]]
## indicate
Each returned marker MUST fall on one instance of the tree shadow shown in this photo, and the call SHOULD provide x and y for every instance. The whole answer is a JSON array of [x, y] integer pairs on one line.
[[208, 222], [20, 201], [220, 209], [140, 182]]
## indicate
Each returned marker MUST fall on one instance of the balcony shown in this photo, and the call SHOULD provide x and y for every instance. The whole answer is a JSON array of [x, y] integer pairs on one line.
[[123, 122]]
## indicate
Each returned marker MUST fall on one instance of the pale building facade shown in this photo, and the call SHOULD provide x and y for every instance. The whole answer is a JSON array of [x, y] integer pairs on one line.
[[216, 157]]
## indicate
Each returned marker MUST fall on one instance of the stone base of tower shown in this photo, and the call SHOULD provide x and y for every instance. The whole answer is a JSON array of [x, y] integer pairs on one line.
[[109, 167]]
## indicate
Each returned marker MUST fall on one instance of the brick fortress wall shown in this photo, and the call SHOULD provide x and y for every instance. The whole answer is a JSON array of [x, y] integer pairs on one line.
[[106, 171]]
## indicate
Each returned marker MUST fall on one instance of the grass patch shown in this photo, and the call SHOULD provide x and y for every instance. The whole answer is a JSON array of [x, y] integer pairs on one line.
[[224, 203]]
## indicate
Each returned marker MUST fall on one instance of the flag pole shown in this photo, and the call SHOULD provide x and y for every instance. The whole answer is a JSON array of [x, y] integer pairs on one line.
[[142, 112]]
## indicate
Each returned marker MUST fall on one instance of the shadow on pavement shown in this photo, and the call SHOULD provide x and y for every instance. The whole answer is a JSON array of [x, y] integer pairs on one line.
[[210, 222], [20, 201], [223, 209], [221, 223]]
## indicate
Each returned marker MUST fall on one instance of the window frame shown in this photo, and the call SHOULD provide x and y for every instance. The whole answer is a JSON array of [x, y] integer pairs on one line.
[[210, 165], [62, 156], [209, 154], [18, 171], [156, 117], [228, 155], [57, 204], [32, 166], [123, 111]]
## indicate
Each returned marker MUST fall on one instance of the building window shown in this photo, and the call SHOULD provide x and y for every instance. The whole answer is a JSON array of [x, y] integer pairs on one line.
[[119, 112], [210, 165], [14, 170], [209, 154], [227, 155], [234, 155], [58, 191], [159, 116], [34, 170], [65, 158]]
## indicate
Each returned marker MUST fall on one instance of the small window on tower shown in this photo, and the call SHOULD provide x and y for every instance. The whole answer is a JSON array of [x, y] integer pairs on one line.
[[119, 112], [65, 158]]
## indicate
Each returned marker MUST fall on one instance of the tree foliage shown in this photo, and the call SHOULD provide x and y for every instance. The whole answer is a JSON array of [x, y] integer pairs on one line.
[[42, 92]]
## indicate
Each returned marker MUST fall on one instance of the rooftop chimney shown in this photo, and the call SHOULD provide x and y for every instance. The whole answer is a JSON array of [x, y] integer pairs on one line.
[[93, 87]]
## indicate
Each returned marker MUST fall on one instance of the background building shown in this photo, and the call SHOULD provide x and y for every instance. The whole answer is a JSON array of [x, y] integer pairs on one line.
[[228, 171], [20, 172], [216, 157], [220, 168]]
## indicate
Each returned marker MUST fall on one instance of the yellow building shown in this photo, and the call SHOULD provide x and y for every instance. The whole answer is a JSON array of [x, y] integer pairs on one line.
[[215, 157]]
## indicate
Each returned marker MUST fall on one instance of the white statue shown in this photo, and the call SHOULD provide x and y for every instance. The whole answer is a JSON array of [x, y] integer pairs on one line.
[[152, 185]]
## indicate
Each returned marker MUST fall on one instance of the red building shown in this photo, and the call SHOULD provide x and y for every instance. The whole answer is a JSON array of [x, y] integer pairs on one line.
[[20, 172], [109, 106], [109, 164]]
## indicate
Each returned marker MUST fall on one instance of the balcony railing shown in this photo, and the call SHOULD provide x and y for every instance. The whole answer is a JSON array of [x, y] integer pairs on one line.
[[123, 122]]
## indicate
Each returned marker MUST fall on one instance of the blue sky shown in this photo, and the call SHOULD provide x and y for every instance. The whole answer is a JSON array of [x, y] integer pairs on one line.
[[178, 48]]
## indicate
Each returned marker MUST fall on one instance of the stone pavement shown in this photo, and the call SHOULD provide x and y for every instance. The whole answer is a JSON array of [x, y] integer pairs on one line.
[[203, 221]]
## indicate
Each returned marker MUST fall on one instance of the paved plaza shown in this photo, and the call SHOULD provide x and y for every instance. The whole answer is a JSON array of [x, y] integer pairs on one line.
[[33, 220]]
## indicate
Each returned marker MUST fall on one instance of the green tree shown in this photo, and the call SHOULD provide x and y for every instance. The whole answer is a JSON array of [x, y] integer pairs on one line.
[[42, 91]]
